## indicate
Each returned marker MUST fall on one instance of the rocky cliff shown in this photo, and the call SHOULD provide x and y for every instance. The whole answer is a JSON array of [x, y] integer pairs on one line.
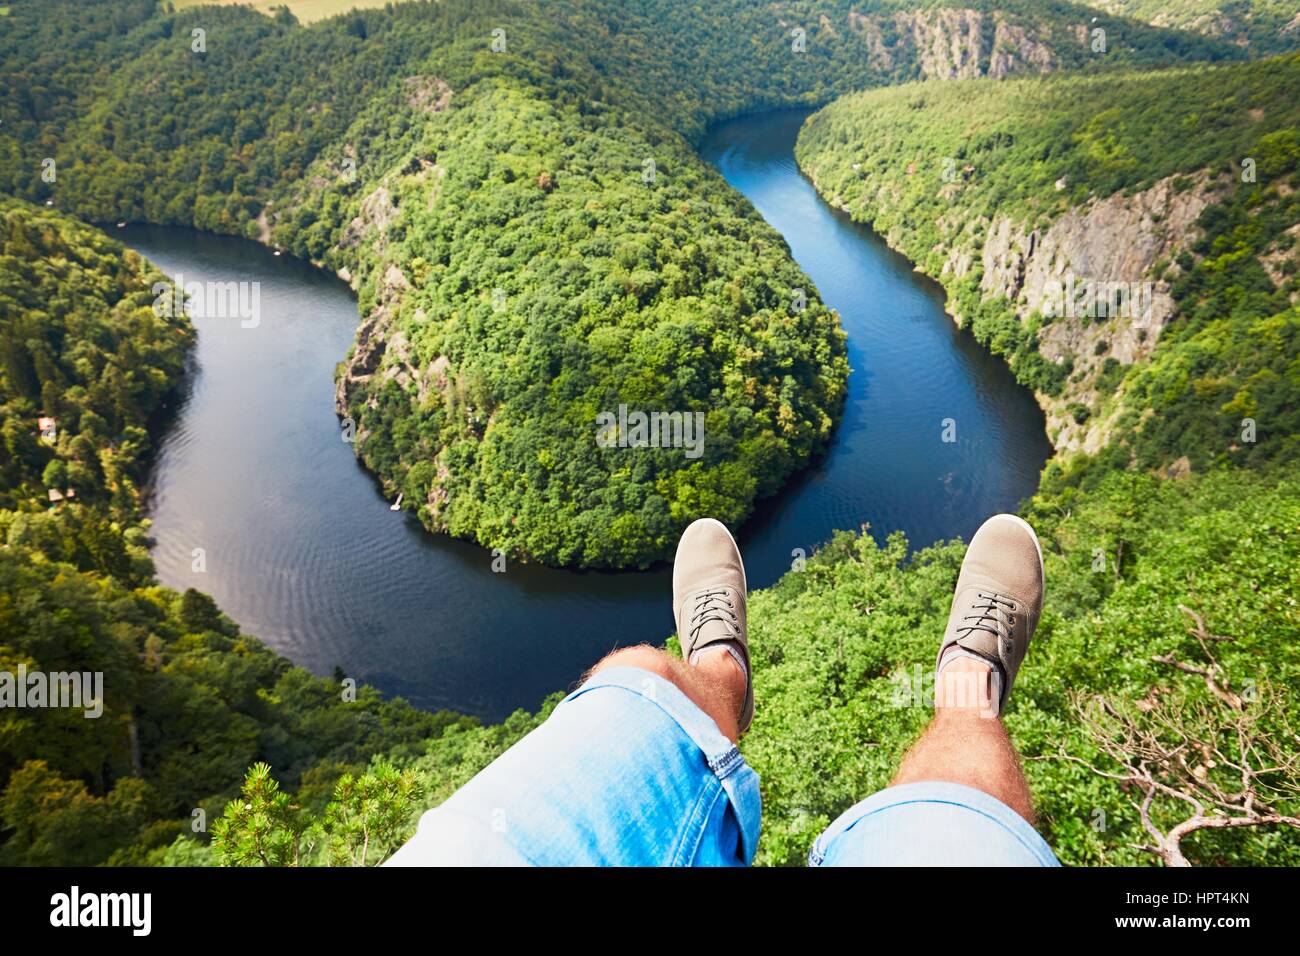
[[954, 43], [1095, 282], [1116, 256]]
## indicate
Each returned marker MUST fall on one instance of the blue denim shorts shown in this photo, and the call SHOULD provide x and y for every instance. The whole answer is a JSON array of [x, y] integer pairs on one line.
[[627, 771], [930, 824]]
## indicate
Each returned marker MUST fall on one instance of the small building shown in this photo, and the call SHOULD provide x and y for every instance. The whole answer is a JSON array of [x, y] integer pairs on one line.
[[48, 427], [58, 497]]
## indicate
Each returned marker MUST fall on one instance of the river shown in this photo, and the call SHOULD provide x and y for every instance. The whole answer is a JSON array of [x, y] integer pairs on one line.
[[296, 543]]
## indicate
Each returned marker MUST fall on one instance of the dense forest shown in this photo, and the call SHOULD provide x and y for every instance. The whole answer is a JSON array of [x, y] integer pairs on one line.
[[1025, 154], [440, 174], [520, 267], [188, 701], [1267, 26]]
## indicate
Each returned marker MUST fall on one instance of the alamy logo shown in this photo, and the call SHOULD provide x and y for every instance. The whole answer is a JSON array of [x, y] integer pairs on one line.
[[75, 908], [77, 690], [651, 430], [1094, 298], [209, 300]]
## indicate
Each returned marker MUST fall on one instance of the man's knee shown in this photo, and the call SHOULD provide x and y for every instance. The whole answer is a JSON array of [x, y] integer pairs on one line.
[[644, 657], [702, 693]]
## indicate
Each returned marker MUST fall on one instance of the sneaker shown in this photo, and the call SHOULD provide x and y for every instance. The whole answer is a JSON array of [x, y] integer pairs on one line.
[[709, 598], [998, 600]]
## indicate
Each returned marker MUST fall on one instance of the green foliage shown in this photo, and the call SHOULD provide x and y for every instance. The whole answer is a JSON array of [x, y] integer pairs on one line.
[[185, 711], [261, 826], [1224, 393], [80, 344], [56, 821], [518, 171], [529, 180], [366, 821], [361, 826], [1265, 25], [1223, 380]]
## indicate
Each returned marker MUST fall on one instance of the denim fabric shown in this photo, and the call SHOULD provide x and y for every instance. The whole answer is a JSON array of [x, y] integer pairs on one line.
[[627, 771], [930, 824]]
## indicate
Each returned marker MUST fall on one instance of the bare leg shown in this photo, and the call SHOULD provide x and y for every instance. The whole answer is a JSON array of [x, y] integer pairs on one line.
[[965, 744], [716, 684]]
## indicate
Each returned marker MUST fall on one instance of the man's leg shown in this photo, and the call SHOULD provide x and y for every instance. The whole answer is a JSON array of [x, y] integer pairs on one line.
[[715, 683], [959, 797], [639, 765], [965, 743]]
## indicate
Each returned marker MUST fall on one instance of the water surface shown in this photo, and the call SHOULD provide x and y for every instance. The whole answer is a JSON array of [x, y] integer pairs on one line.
[[301, 549]]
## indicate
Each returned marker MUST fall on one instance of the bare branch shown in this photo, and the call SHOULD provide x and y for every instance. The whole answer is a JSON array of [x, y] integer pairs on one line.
[[1209, 756]]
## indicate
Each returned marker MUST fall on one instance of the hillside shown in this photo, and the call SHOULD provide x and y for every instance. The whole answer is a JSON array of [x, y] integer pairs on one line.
[[436, 174], [1009, 195], [396, 147], [186, 701], [1264, 26]]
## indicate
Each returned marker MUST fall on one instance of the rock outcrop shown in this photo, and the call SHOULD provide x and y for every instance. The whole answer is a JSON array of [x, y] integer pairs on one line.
[[377, 210], [428, 94], [1108, 249], [953, 43]]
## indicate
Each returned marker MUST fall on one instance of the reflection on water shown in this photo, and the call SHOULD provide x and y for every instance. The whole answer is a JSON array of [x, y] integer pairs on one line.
[[301, 549]]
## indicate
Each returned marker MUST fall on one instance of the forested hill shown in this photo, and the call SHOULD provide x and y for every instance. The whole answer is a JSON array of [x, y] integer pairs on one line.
[[1265, 26], [1176, 185], [1171, 608], [187, 702], [441, 173]]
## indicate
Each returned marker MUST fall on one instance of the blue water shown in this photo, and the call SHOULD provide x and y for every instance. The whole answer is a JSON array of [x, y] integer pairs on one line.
[[301, 549]]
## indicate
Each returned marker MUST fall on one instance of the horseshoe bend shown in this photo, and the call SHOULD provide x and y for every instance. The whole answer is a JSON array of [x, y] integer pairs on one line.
[[846, 279]]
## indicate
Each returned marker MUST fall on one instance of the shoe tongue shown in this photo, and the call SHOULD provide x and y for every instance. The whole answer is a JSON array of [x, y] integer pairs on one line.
[[981, 642]]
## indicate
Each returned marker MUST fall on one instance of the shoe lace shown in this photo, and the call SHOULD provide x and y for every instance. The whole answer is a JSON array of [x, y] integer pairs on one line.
[[990, 616], [713, 605]]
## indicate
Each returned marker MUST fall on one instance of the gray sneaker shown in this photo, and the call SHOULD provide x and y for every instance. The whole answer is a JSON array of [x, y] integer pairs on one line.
[[709, 597], [998, 600]]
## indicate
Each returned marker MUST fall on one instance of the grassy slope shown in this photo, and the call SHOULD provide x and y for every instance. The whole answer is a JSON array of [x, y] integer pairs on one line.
[[307, 11]]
